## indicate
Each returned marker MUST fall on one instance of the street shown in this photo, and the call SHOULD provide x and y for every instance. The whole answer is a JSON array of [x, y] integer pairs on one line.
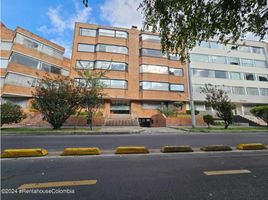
[[54, 143], [152, 176]]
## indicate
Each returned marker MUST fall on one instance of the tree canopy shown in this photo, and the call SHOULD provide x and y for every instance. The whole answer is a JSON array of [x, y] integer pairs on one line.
[[184, 23]]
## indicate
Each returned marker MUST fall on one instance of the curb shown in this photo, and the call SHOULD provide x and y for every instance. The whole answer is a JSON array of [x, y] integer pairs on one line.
[[14, 153], [251, 146], [81, 151], [131, 150], [216, 148], [173, 149]]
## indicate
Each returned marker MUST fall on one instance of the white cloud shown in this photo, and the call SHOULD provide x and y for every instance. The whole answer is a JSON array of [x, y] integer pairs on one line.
[[122, 13]]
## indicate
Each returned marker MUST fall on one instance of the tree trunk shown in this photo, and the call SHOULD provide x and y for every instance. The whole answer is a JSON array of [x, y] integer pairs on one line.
[[90, 119], [226, 125]]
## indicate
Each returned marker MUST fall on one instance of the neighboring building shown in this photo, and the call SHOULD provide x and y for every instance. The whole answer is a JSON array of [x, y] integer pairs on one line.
[[23, 55], [141, 77], [242, 73]]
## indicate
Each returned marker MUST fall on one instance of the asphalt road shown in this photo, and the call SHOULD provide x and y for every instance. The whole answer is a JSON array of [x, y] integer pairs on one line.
[[108, 142], [146, 177]]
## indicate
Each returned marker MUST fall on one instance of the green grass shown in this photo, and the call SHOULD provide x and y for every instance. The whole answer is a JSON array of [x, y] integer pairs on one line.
[[45, 131], [229, 129]]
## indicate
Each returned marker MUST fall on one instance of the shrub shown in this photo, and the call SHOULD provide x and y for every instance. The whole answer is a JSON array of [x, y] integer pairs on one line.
[[261, 112], [11, 113], [208, 119], [167, 111], [188, 112]]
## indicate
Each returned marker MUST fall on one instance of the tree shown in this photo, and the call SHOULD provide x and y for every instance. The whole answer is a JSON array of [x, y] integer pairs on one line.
[[56, 98], [208, 119], [166, 110], [11, 113], [183, 24], [91, 90], [261, 112], [219, 101]]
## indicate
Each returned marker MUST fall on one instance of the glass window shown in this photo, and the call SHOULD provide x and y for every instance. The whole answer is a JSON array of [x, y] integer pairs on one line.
[[226, 89], [110, 65], [84, 64], [153, 38], [151, 105], [20, 80], [22, 101], [233, 61], [235, 76], [106, 32], [238, 90], [264, 91], [249, 76], [45, 67], [118, 66], [2, 81], [204, 73], [262, 78], [176, 71], [221, 74], [24, 60], [121, 34], [64, 72], [55, 70], [88, 32], [260, 63], [197, 88], [257, 50], [218, 59], [252, 91], [5, 46], [247, 62], [204, 44], [199, 58], [173, 57], [112, 48], [30, 43], [154, 86], [215, 45], [245, 49], [154, 69], [152, 52], [86, 47], [118, 84], [177, 87], [48, 50], [4, 63]]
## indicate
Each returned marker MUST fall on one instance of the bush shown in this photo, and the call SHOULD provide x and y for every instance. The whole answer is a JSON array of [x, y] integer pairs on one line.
[[208, 119], [261, 112], [218, 123], [167, 111], [11, 113], [188, 112]]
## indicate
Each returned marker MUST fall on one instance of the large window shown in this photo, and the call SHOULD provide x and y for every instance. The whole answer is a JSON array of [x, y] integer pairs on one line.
[[84, 64], [3, 63], [257, 50], [197, 88], [260, 63], [221, 74], [111, 65], [252, 91], [215, 45], [235, 76], [5, 46], [226, 89], [176, 71], [238, 90], [24, 60], [111, 48], [20, 80], [204, 44], [152, 52], [88, 32], [218, 59], [154, 69], [173, 56], [148, 37], [262, 77], [113, 33], [117, 84], [199, 58], [247, 62], [250, 77], [86, 47], [145, 85], [176, 87], [204, 73], [245, 49], [264, 91], [233, 61]]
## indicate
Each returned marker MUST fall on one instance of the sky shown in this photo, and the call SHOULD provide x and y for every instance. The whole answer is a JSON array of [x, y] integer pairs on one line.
[[54, 19]]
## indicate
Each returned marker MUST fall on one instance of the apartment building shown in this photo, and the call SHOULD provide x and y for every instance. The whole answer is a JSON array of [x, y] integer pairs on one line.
[[241, 72], [140, 77], [23, 55]]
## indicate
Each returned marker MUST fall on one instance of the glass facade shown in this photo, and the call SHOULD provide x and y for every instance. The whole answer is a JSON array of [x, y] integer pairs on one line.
[[252, 91], [20, 80], [84, 64], [5, 46], [24, 60], [153, 53], [117, 66], [111, 48], [3, 63], [152, 38], [154, 69], [88, 32], [86, 47], [176, 71], [177, 87]]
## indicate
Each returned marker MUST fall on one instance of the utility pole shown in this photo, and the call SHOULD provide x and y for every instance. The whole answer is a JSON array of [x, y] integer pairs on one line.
[[190, 89]]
